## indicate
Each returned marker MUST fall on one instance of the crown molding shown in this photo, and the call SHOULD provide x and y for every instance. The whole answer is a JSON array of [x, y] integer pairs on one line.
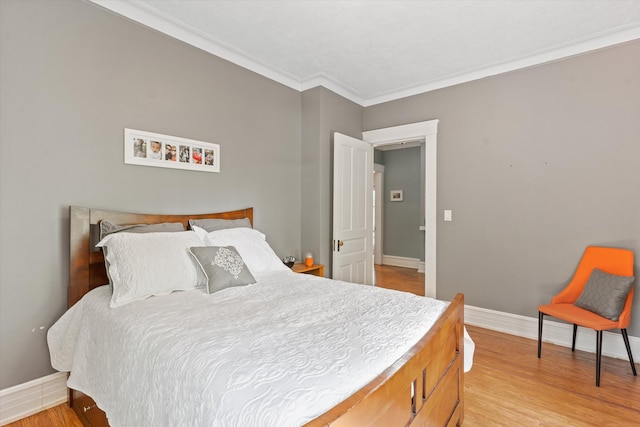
[[145, 15], [618, 36], [149, 17], [324, 80]]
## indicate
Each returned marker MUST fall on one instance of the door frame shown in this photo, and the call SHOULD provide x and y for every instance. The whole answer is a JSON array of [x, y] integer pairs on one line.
[[427, 130], [378, 179]]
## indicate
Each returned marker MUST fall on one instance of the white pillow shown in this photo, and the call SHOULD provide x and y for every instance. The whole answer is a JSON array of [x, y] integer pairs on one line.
[[250, 244], [142, 265]]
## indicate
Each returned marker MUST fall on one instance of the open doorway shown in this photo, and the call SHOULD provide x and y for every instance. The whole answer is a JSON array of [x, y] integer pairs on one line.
[[423, 131], [399, 222]]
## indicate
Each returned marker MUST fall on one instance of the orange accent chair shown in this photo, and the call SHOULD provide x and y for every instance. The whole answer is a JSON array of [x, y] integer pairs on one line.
[[612, 261]]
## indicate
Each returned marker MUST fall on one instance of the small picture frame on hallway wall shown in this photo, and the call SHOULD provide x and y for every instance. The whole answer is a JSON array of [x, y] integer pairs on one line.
[[396, 195], [165, 151]]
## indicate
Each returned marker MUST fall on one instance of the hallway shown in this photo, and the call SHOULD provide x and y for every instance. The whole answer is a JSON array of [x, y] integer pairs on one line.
[[399, 278]]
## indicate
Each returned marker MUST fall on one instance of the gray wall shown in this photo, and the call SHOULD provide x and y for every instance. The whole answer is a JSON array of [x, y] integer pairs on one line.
[[72, 77], [323, 113], [536, 164], [378, 156], [402, 220]]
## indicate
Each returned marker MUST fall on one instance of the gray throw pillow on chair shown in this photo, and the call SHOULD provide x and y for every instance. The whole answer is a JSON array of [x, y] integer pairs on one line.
[[605, 294]]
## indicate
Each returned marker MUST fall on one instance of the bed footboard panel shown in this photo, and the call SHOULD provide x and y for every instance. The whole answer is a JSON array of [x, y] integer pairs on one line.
[[424, 388], [443, 406]]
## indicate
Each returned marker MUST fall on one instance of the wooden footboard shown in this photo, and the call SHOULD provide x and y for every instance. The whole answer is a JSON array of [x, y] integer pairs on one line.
[[423, 388]]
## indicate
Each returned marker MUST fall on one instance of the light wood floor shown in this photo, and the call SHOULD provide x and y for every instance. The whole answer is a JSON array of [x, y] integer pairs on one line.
[[508, 385], [58, 416], [399, 278]]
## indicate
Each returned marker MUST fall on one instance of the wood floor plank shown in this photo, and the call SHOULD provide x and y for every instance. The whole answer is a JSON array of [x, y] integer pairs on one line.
[[508, 385], [399, 278], [58, 416]]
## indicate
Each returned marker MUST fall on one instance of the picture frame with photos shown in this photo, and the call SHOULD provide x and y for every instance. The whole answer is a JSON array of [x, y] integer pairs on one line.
[[153, 149]]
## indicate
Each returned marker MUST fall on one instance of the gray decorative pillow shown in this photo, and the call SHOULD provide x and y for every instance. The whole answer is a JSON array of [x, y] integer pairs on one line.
[[605, 294], [107, 228], [214, 224], [223, 266]]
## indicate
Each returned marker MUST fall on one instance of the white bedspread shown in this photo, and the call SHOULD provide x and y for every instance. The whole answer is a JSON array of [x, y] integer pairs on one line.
[[277, 353]]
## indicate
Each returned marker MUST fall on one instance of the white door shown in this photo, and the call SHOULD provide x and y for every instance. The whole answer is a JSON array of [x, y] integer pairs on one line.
[[352, 210]]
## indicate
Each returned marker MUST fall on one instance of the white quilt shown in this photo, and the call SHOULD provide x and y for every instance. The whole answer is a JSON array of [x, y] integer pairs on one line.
[[276, 353]]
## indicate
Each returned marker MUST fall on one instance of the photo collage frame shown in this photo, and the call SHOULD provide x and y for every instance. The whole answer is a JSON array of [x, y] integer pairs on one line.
[[165, 151]]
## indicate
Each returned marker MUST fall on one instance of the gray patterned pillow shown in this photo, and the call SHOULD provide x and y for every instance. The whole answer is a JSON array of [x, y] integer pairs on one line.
[[223, 266], [605, 294]]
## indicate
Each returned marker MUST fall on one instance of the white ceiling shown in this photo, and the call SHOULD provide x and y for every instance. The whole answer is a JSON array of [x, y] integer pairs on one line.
[[376, 51]]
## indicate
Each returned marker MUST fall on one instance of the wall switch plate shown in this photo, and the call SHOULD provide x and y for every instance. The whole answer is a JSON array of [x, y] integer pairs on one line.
[[447, 215]]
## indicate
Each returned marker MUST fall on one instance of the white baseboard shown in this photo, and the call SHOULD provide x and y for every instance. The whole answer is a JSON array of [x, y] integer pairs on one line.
[[400, 261], [552, 332], [29, 398]]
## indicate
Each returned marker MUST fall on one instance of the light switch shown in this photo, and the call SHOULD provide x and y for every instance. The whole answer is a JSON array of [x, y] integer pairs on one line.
[[447, 215]]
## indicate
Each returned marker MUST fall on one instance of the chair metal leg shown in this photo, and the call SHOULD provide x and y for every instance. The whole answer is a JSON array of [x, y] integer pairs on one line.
[[540, 318], [573, 342], [625, 337], [598, 356]]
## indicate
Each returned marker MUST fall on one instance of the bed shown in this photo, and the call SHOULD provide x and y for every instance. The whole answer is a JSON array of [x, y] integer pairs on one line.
[[416, 378]]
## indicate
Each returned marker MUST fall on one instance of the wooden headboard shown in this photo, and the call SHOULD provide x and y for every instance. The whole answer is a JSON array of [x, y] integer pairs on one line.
[[86, 262]]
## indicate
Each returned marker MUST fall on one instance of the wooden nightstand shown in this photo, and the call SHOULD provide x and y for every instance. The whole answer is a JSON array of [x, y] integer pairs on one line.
[[315, 269]]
